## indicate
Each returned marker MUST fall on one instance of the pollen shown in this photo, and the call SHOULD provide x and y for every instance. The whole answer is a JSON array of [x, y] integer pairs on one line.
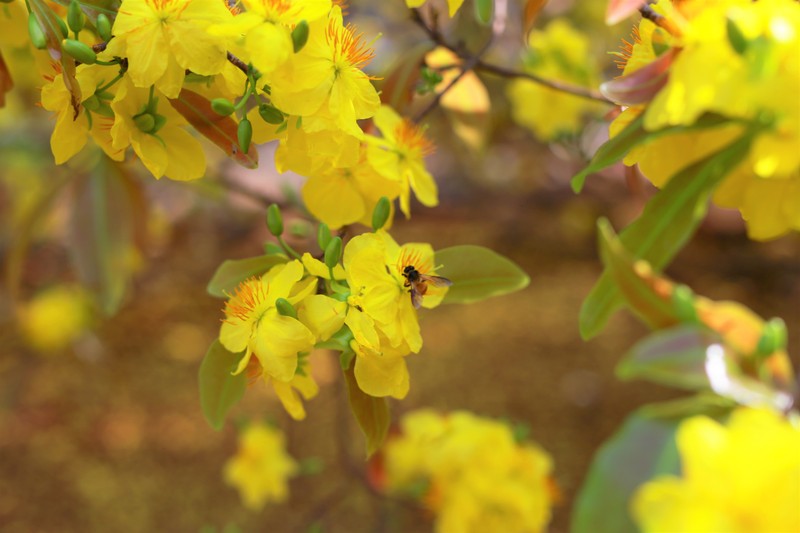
[[246, 299], [348, 45], [413, 138]]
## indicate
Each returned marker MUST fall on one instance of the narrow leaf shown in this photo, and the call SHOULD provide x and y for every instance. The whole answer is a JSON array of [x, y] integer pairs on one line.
[[6, 83], [484, 9], [371, 413], [532, 10], [222, 131], [234, 271], [219, 389], [400, 83], [667, 222], [619, 10], [478, 273], [640, 86]]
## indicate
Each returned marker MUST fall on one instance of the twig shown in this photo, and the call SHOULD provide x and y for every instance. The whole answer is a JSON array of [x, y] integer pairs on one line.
[[238, 63]]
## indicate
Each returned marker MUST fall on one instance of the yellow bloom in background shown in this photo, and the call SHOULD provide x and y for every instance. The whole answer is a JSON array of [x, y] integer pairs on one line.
[[471, 472], [261, 468], [743, 476], [452, 5], [399, 156], [253, 325], [162, 39], [325, 77], [559, 52], [165, 148], [55, 318]]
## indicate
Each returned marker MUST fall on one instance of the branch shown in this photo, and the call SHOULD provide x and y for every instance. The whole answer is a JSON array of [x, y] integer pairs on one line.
[[480, 65], [238, 63]]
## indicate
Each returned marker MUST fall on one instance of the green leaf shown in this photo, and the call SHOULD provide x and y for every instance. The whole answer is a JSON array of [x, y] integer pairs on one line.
[[371, 413], [478, 273], [643, 448], [234, 271], [674, 357], [669, 219], [219, 389], [484, 9], [632, 136]]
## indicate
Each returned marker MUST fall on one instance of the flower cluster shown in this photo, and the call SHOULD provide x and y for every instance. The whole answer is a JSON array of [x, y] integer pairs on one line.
[[261, 467], [727, 470], [275, 320], [471, 472], [735, 59], [294, 64]]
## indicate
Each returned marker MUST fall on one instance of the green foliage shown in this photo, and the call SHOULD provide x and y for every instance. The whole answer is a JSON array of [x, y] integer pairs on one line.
[[219, 389], [371, 413], [478, 273], [232, 272]]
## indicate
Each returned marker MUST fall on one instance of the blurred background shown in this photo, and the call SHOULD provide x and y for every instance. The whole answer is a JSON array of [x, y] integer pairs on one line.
[[104, 317]]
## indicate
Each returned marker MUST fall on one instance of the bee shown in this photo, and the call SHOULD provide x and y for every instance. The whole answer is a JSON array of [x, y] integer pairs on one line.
[[418, 283]]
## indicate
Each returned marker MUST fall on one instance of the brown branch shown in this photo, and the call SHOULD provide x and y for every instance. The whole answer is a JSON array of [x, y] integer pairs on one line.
[[238, 63], [504, 72]]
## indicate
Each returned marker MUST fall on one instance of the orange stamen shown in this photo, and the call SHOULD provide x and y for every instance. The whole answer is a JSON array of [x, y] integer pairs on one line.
[[626, 48], [413, 137], [348, 45], [246, 298]]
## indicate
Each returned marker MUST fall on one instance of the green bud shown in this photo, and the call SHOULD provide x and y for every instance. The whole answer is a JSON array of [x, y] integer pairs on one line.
[[80, 51], [285, 308], [323, 236], [160, 120], [36, 33], [92, 103], [275, 220], [683, 303], [146, 122], [300, 35], [484, 9], [381, 213], [75, 17], [222, 106], [245, 134], [773, 337], [736, 37], [270, 248], [333, 252], [270, 114], [63, 27], [103, 27]]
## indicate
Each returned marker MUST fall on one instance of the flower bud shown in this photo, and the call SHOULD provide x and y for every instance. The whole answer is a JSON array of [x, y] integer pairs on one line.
[[285, 308], [735, 36], [275, 220], [63, 27], [484, 10], [245, 134], [683, 303], [381, 213], [80, 51], [270, 114], [103, 27], [36, 33], [333, 252], [146, 122], [300, 35], [222, 106], [323, 236], [75, 17], [773, 337]]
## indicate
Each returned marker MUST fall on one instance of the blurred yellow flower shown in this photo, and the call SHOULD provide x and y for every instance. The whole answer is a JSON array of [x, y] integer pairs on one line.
[[559, 52], [471, 472], [261, 468], [452, 5], [743, 476], [55, 317]]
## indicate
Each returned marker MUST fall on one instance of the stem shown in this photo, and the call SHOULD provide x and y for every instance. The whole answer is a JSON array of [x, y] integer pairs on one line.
[[291, 251], [109, 84]]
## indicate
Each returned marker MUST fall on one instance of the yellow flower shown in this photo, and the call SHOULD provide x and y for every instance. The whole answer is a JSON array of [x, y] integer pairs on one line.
[[452, 5], [162, 39], [559, 52], [261, 468], [266, 26], [253, 325], [740, 477], [54, 318], [165, 148], [70, 134], [325, 77], [472, 473], [399, 155]]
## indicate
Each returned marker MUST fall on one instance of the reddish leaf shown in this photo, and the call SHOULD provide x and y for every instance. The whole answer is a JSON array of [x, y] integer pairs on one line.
[[6, 83], [371, 413], [641, 86], [49, 22], [220, 130], [619, 10], [532, 10], [399, 85]]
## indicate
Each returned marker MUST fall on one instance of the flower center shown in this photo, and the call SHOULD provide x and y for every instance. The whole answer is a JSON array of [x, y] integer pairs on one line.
[[348, 46], [246, 299], [413, 138]]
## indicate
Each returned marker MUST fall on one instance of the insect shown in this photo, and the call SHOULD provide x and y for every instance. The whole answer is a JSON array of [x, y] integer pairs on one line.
[[418, 283]]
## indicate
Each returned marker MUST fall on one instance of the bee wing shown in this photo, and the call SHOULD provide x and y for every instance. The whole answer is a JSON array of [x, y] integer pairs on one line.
[[437, 281], [416, 298]]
